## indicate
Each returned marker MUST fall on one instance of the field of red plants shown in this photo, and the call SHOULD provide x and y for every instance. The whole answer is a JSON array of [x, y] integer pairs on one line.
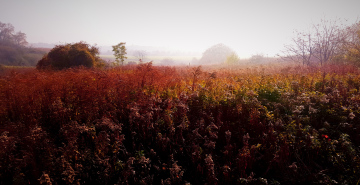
[[185, 125]]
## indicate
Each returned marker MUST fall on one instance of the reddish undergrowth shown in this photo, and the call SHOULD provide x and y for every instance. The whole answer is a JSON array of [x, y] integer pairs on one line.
[[165, 125]]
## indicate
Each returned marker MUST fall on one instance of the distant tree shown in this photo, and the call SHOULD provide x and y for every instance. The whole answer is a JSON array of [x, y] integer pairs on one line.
[[20, 39], [120, 52], [329, 36], [321, 44], [194, 61], [70, 55], [256, 59], [13, 50], [351, 46], [140, 54], [131, 63], [167, 61], [232, 59], [302, 48], [6, 33], [9, 37], [216, 54]]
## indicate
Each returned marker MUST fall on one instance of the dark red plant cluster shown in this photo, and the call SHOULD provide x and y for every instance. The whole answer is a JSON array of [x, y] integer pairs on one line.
[[163, 125]]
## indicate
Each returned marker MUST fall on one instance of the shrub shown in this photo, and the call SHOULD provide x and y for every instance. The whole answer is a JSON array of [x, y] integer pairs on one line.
[[147, 124], [70, 55]]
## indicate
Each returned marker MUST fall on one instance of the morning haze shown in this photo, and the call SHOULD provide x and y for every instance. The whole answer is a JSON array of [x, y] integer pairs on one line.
[[248, 27], [179, 92]]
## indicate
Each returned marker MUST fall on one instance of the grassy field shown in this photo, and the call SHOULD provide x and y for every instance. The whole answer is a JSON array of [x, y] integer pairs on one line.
[[148, 124]]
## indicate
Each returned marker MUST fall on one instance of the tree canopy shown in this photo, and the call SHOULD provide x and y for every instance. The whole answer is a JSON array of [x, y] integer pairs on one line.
[[70, 55], [351, 48], [8, 37], [14, 50], [216, 54], [232, 59], [120, 52]]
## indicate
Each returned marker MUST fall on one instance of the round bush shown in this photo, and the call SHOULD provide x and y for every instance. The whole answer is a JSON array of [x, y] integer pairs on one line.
[[70, 55]]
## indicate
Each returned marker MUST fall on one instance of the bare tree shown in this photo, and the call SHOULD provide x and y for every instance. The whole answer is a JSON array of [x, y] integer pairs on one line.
[[302, 48], [328, 39], [140, 54], [321, 44]]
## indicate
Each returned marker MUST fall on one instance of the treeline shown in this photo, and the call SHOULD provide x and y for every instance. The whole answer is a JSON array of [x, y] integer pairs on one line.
[[14, 50]]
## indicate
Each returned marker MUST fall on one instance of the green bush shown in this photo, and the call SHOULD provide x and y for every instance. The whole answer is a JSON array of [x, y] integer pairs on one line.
[[70, 55]]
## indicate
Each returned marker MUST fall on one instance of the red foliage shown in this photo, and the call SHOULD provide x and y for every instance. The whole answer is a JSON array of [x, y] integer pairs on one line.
[[151, 125]]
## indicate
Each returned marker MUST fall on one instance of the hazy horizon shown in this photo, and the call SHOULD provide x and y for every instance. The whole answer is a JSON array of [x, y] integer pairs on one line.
[[248, 27]]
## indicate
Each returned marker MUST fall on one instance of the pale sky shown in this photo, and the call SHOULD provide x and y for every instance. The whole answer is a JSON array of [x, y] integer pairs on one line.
[[248, 27]]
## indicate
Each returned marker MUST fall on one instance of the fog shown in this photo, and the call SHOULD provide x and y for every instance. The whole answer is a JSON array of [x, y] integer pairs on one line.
[[181, 27]]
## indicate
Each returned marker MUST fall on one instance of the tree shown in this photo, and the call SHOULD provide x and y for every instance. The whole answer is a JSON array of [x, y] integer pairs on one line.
[[8, 36], [302, 48], [257, 59], [321, 44], [20, 39], [13, 50], [328, 39], [120, 52], [232, 59], [140, 54], [70, 55], [350, 49], [167, 61], [6, 33], [216, 54]]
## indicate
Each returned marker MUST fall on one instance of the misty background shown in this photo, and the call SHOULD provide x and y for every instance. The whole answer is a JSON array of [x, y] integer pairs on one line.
[[172, 28]]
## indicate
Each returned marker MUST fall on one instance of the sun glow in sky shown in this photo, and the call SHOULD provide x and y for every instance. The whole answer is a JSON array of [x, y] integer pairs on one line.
[[248, 27]]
